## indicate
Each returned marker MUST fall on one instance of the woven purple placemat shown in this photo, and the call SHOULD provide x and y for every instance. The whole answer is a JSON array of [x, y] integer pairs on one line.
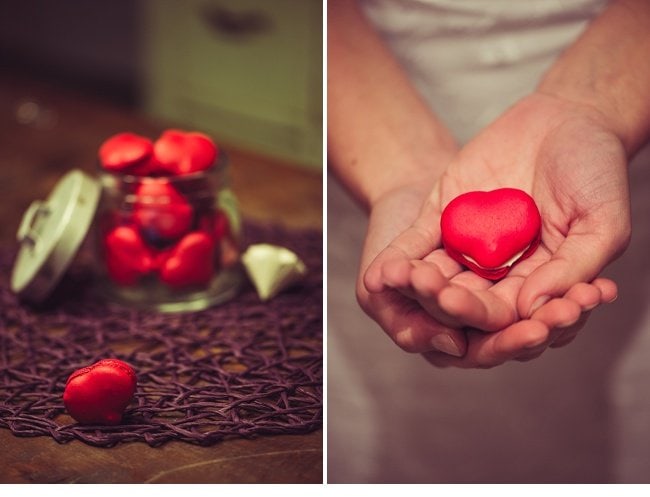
[[241, 369]]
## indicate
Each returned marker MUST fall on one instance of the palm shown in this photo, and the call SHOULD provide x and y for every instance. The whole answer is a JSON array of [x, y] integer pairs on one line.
[[575, 171]]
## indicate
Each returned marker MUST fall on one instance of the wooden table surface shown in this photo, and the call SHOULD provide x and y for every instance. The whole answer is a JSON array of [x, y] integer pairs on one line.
[[46, 131]]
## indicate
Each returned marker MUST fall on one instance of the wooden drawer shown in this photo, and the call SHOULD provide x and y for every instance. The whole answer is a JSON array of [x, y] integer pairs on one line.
[[249, 71]]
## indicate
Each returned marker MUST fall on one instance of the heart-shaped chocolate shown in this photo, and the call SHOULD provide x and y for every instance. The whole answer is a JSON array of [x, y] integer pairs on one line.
[[184, 152], [489, 232], [160, 211], [125, 151], [127, 256], [100, 393], [190, 262]]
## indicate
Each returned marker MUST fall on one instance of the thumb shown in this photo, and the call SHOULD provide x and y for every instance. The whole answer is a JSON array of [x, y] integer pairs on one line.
[[389, 218], [580, 258], [414, 242]]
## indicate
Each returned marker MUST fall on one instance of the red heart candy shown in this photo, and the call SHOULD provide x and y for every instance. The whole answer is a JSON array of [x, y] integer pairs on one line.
[[127, 257], [100, 393], [124, 151], [191, 261], [216, 224], [181, 152], [489, 232], [160, 211], [221, 225]]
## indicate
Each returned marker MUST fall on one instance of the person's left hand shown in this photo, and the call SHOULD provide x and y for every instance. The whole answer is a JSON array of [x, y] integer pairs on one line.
[[566, 157]]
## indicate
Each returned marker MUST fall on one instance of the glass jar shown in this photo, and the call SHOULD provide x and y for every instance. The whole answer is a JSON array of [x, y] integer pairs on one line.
[[169, 243], [166, 243]]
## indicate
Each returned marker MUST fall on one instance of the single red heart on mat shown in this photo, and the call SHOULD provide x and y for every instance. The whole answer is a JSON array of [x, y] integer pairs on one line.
[[184, 152], [489, 232], [100, 393], [127, 256], [190, 262], [124, 151], [160, 211]]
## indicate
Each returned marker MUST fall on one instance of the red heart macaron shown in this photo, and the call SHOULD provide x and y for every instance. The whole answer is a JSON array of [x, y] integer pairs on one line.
[[489, 232], [100, 393], [184, 152], [190, 262], [127, 256]]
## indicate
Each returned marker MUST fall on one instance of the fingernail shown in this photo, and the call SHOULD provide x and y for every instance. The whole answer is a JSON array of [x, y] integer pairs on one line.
[[613, 300], [566, 324], [537, 342], [539, 302], [444, 343]]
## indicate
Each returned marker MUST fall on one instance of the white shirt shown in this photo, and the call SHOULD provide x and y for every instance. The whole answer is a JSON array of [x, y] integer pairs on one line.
[[471, 59]]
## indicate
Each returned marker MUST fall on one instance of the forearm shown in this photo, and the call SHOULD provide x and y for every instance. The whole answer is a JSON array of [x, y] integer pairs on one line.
[[381, 133], [608, 68]]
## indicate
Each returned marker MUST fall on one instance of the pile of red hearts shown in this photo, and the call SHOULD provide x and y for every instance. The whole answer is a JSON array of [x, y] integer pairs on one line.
[[165, 222]]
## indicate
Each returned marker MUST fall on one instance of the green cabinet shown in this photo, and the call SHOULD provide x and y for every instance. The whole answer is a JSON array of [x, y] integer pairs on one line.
[[247, 71]]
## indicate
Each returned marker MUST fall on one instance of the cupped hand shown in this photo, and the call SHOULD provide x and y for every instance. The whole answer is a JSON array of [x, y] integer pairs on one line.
[[567, 158], [406, 322]]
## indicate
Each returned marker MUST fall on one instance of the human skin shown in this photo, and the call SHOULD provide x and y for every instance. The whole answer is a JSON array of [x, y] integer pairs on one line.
[[388, 149], [575, 168], [568, 144]]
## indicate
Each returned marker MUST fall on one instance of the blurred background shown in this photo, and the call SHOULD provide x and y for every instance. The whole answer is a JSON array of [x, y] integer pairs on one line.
[[247, 71]]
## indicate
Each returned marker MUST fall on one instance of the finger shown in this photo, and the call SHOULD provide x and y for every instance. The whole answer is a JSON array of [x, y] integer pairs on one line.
[[557, 338], [481, 309], [492, 349], [466, 302], [427, 282], [518, 338], [563, 335], [608, 290], [447, 266], [415, 242], [558, 313], [396, 274], [587, 296], [579, 258], [410, 327], [569, 334]]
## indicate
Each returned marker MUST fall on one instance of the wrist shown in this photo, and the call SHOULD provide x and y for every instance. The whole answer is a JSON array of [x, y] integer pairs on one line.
[[372, 172], [412, 175], [607, 70], [611, 102]]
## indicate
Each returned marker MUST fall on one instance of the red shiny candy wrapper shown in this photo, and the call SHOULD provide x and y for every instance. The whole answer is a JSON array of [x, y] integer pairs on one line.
[[184, 152], [489, 232], [127, 256], [190, 262], [160, 211], [124, 151], [100, 393]]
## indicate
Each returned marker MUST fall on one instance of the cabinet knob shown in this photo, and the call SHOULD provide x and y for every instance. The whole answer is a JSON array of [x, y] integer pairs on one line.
[[226, 22]]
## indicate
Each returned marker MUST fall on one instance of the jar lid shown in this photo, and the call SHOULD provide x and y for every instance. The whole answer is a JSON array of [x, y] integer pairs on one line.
[[51, 233]]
